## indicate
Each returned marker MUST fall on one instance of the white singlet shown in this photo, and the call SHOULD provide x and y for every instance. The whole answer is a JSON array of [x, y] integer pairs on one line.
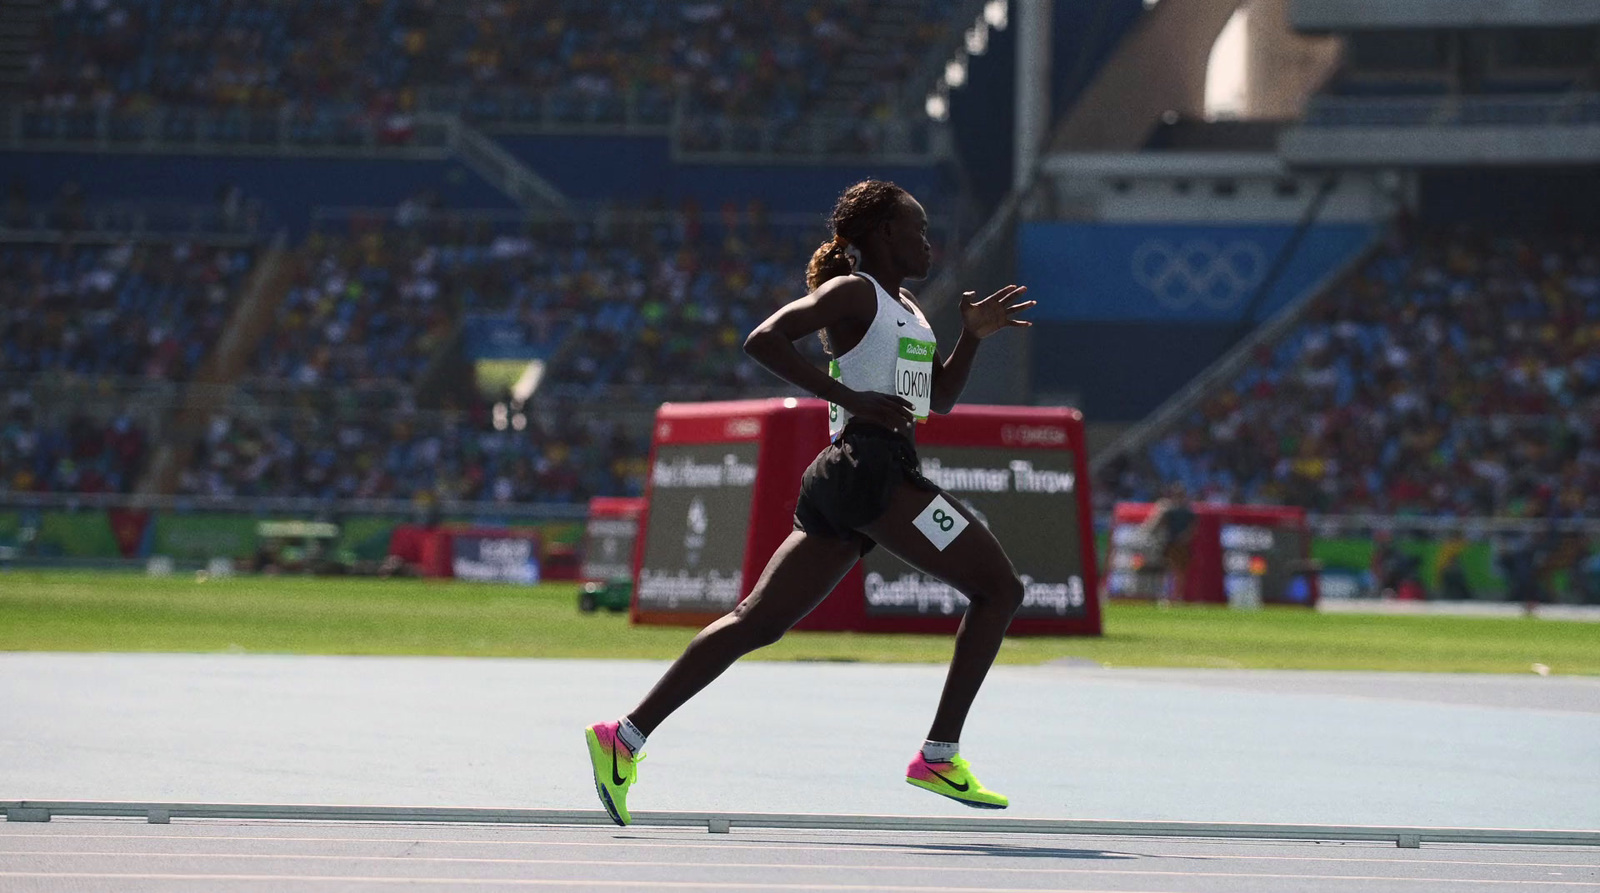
[[895, 356]]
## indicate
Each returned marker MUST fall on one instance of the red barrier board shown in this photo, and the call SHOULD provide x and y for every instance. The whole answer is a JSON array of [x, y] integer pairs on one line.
[[609, 538], [724, 481], [1239, 554]]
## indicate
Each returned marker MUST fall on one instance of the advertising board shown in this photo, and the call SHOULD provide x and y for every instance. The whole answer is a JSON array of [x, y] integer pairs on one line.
[[698, 523], [495, 559], [1014, 495], [725, 478]]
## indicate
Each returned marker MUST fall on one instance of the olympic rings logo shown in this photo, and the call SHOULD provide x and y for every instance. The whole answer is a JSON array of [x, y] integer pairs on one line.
[[1199, 272]]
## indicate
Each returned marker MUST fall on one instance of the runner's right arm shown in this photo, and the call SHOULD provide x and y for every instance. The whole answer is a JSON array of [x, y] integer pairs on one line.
[[838, 300]]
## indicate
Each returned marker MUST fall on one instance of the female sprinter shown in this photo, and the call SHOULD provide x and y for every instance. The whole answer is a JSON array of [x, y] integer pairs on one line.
[[865, 489]]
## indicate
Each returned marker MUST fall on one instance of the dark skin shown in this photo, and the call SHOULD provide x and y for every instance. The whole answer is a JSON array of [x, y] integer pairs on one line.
[[846, 305], [805, 568]]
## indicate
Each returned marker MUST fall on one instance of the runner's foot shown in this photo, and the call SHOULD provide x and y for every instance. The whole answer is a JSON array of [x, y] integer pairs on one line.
[[954, 780], [615, 769]]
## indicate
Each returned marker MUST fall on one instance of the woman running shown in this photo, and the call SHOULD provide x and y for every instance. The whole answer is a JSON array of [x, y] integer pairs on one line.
[[864, 489]]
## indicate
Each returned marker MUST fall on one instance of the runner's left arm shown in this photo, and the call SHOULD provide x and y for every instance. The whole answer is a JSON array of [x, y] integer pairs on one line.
[[950, 373], [979, 320]]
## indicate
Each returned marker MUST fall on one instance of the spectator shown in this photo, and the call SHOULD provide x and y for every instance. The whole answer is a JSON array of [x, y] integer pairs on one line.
[[1457, 375]]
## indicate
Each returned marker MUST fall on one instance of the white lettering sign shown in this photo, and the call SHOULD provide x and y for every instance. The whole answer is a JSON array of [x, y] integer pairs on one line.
[[685, 472]]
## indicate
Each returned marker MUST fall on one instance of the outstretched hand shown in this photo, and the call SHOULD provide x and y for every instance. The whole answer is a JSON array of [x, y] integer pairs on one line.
[[997, 311]]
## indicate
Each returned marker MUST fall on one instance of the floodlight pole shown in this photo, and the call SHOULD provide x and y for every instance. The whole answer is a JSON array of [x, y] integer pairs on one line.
[[1033, 24]]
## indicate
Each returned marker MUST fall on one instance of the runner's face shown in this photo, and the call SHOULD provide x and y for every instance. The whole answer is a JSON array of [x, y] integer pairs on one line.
[[908, 239]]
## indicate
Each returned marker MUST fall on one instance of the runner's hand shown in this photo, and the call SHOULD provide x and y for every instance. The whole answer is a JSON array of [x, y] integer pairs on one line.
[[997, 311], [889, 411]]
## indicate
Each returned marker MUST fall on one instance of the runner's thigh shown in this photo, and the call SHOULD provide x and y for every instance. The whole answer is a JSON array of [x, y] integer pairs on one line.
[[971, 560], [801, 573]]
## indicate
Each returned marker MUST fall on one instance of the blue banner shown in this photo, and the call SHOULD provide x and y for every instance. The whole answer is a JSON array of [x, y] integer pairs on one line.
[[1173, 272]]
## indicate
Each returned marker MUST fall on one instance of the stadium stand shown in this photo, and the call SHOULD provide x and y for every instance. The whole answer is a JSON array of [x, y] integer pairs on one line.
[[631, 307], [335, 63], [558, 456], [80, 455], [146, 310], [361, 310], [633, 298], [1457, 375]]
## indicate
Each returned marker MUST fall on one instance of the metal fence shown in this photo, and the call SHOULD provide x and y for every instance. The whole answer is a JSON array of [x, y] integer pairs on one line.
[[1567, 110], [286, 131], [267, 506], [638, 111], [435, 132], [150, 221]]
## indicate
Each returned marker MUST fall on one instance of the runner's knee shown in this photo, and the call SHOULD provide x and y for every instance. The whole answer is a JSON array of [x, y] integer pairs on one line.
[[755, 630], [1002, 590]]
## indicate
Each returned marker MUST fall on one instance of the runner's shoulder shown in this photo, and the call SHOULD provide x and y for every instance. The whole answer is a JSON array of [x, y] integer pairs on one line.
[[848, 293]]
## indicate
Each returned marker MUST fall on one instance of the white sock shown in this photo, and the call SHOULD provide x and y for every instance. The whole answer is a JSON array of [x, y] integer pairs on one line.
[[939, 751], [630, 735]]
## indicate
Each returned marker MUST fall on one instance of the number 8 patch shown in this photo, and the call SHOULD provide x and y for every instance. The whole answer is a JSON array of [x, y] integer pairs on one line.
[[940, 523]]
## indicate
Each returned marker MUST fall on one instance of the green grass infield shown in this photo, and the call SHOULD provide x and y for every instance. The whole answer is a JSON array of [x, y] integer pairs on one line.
[[297, 615]]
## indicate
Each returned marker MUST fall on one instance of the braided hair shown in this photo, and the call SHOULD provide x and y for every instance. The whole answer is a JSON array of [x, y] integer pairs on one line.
[[859, 210]]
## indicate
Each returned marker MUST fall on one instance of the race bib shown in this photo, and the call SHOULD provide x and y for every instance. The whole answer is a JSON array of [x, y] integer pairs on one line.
[[913, 375], [940, 522]]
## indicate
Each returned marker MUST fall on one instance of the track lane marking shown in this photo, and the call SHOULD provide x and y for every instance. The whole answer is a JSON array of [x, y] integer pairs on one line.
[[788, 866], [909, 849], [508, 882]]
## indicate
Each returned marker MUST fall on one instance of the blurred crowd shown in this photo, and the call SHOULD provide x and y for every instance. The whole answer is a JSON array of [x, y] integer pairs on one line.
[[752, 58], [141, 310], [641, 299], [81, 454], [361, 310], [656, 301], [1457, 374], [556, 456]]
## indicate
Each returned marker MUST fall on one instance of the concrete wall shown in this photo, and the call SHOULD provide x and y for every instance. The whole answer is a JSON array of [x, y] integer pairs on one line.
[[1283, 68], [1160, 67]]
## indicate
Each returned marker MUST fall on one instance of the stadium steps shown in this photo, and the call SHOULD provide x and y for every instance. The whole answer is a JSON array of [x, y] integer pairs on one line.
[[21, 22], [253, 316], [1159, 67], [883, 23], [490, 160], [1228, 367]]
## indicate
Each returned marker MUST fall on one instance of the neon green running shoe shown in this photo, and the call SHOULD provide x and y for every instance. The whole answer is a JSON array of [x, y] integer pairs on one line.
[[954, 780], [615, 769]]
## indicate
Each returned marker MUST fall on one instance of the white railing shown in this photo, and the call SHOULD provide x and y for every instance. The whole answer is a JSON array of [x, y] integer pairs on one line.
[[598, 215], [269, 505], [138, 222], [433, 134], [1566, 110], [635, 111], [285, 130], [1470, 528], [895, 141], [502, 169]]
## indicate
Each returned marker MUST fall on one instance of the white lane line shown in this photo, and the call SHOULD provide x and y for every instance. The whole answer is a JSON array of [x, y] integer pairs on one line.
[[734, 844], [802, 866], [535, 882]]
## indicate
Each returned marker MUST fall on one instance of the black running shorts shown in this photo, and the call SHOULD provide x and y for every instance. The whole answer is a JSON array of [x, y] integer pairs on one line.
[[849, 484]]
